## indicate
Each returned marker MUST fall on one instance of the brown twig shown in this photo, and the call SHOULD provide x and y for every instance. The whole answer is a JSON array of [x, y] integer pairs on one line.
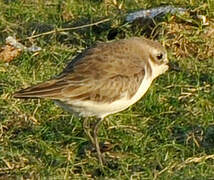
[[68, 29]]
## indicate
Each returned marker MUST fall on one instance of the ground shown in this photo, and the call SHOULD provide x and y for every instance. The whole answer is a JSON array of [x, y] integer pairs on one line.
[[168, 134]]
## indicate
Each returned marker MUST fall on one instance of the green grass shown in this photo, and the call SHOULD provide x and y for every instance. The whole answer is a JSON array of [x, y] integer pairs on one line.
[[166, 135]]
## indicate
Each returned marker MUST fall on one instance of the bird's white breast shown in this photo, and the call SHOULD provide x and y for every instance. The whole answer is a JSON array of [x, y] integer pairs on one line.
[[99, 109]]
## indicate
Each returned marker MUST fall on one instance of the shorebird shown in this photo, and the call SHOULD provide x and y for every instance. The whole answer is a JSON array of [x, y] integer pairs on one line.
[[104, 79]]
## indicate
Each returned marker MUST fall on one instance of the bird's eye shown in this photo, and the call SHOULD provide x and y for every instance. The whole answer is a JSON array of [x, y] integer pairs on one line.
[[160, 56]]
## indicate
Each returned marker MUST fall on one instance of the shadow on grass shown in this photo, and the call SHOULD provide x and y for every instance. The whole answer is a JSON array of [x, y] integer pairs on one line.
[[195, 135]]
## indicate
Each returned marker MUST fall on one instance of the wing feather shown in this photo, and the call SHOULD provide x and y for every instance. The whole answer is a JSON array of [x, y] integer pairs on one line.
[[103, 73]]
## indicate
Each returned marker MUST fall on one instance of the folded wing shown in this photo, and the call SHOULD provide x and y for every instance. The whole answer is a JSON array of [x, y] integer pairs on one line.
[[105, 73]]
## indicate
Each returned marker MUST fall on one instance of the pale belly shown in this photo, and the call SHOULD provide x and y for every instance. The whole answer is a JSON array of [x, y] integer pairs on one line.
[[89, 108]]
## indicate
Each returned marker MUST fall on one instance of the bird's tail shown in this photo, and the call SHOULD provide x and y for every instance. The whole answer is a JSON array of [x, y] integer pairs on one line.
[[49, 89]]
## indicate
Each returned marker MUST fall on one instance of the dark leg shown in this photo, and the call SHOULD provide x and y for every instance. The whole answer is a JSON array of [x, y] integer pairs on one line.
[[87, 129], [96, 142], [94, 138]]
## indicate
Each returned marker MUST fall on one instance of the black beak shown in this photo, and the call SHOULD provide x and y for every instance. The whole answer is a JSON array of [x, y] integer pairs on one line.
[[173, 66]]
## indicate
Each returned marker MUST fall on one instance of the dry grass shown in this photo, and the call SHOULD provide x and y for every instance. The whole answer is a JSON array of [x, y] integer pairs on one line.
[[166, 135], [187, 40]]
